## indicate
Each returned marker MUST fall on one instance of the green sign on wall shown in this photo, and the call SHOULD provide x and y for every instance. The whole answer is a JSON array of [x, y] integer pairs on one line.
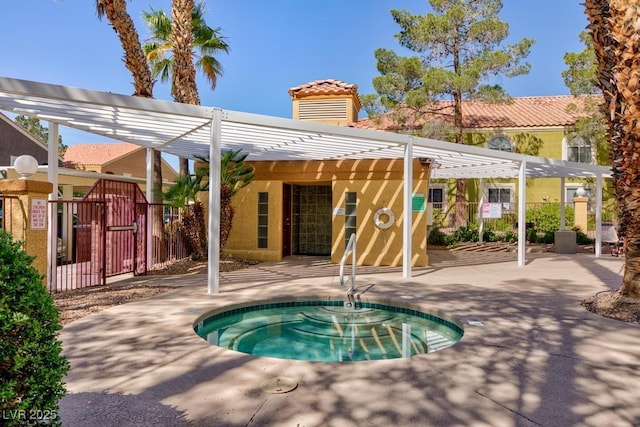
[[417, 203]]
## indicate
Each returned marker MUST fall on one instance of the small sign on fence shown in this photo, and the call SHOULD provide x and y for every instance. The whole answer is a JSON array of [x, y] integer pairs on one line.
[[38, 214], [491, 210]]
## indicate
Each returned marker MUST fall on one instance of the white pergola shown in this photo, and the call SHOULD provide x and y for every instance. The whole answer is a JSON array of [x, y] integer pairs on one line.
[[196, 131]]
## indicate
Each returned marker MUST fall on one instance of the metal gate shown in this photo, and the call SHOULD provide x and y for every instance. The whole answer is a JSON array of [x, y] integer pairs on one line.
[[102, 235]]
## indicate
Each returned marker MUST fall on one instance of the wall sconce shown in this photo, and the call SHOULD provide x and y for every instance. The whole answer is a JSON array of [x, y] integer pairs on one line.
[[25, 166]]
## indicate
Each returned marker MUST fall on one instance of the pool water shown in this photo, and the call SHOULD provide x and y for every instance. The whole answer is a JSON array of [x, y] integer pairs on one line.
[[328, 331]]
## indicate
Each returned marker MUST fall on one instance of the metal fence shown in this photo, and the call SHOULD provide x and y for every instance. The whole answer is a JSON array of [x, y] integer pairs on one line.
[[448, 217], [9, 207], [92, 245]]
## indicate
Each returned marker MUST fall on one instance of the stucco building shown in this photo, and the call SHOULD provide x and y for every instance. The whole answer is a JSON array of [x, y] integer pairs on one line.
[[312, 207]]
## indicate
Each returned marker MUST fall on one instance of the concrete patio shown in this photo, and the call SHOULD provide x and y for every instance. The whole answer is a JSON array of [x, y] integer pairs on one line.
[[539, 358]]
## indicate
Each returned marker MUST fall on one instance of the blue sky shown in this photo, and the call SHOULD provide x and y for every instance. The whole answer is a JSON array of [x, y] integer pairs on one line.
[[274, 44]]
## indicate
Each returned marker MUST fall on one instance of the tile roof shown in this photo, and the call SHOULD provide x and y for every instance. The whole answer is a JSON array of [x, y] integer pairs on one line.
[[323, 87], [534, 111], [97, 154]]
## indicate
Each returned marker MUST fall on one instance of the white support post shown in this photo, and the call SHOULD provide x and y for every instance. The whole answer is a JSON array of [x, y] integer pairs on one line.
[[149, 176], [52, 177], [598, 251], [480, 203], [150, 199], [213, 279], [407, 247], [522, 214], [563, 202]]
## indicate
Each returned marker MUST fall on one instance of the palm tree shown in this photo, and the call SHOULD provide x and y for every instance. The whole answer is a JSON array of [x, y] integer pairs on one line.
[[234, 175], [183, 87], [173, 46], [183, 194], [613, 28], [135, 61]]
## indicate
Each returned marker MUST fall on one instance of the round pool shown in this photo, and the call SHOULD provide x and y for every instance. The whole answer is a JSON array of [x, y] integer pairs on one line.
[[328, 331]]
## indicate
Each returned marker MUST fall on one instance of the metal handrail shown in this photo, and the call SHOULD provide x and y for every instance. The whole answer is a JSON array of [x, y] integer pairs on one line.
[[351, 247]]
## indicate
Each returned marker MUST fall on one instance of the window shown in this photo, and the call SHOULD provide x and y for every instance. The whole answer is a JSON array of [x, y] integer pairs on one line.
[[350, 199], [500, 143], [579, 150], [436, 197], [263, 220], [501, 193]]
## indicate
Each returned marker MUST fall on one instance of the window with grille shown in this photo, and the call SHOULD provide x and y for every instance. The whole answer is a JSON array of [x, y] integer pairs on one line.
[[263, 220], [500, 143], [436, 197], [350, 200], [579, 150]]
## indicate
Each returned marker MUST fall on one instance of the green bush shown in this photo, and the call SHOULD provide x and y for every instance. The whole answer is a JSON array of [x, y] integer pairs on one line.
[[581, 238], [509, 237], [466, 233], [437, 237], [546, 217], [31, 363], [549, 237]]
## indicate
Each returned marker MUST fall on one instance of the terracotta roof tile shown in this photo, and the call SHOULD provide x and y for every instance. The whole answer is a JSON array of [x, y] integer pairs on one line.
[[535, 111], [97, 154], [323, 87]]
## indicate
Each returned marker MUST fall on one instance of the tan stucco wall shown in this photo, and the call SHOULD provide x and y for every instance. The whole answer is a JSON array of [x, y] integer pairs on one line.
[[136, 165], [19, 220], [243, 240], [379, 183]]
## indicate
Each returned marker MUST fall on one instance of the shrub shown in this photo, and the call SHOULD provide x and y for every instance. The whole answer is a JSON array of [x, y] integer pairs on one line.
[[546, 217], [437, 237], [581, 238], [31, 363], [466, 233], [509, 236]]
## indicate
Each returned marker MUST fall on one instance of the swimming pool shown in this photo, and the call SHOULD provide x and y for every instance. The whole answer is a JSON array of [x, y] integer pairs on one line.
[[328, 331]]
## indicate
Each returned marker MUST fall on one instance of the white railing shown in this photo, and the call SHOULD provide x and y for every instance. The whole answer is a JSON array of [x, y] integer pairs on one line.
[[351, 247]]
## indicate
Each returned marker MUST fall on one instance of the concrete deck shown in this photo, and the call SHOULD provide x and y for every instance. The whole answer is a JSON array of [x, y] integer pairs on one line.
[[539, 360]]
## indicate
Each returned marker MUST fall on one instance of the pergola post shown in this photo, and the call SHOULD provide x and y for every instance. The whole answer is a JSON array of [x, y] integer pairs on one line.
[[52, 177], [598, 250], [213, 277], [522, 213], [407, 224], [150, 199]]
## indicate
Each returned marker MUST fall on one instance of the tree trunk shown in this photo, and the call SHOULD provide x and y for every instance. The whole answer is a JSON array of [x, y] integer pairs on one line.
[[184, 71], [184, 166], [227, 212], [460, 211], [134, 59], [612, 24]]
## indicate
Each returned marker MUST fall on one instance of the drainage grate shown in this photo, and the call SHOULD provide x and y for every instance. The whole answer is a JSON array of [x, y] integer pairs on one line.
[[278, 385]]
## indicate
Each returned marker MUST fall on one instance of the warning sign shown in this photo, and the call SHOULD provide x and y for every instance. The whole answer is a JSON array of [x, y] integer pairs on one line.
[[38, 214]]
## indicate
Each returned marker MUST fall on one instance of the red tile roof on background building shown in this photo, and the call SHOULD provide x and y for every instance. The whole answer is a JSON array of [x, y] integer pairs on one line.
[[534, 111], [323, 87], [97, 154]]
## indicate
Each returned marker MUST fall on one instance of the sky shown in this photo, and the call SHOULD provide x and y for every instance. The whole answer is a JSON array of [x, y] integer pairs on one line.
[[274, 45]]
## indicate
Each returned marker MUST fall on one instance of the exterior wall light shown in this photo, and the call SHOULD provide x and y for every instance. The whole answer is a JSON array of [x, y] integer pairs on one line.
[[25, 166]]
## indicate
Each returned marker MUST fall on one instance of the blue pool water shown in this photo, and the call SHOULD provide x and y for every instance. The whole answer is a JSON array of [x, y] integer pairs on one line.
[[329, 332]]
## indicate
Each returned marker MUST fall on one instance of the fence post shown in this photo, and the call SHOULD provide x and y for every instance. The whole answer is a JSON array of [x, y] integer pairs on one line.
[[29, 214], [581, 213]]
